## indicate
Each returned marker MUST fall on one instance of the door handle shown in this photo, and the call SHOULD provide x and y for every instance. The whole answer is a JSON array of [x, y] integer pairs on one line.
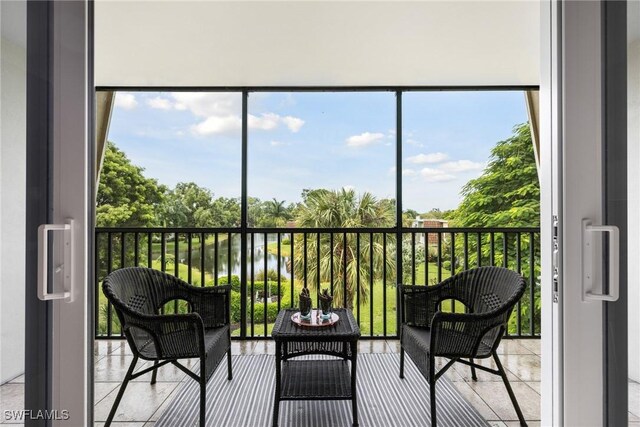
[[588, 262], [43, 261]]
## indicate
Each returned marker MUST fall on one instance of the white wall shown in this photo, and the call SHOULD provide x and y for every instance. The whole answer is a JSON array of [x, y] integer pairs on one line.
[[359, 43], [12, 190], [633, 152]]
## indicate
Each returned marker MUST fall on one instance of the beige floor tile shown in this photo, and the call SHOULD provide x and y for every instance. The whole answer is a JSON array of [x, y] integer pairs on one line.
[[394, 346], [18, 380], [633, 418], [113, 368], [150, 424], [240, 348], [167, 402], [168, 372], [525, 367], [104, 347], [512, 346], [481, 406], [139, 403], [123, 350], [532, 344], [465, 371], [634, 398], [264, 347], [11, 399], [534, 385], [101, 390], [496, 423], [517, 423], [120, 424], [372, 346], [496, 397]]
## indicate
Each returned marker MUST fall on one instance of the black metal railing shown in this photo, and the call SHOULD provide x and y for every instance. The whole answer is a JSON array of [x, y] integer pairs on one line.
[[360, 267]]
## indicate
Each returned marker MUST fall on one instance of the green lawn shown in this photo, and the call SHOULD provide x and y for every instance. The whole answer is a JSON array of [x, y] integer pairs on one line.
[[182, 243], [285, 249], [380, 292], [433, 274]]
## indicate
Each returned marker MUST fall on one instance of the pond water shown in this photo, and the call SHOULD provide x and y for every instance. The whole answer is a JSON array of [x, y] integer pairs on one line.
[[231, 260]]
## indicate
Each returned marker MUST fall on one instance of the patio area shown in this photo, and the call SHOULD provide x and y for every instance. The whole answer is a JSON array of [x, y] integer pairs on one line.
[[143, 404]]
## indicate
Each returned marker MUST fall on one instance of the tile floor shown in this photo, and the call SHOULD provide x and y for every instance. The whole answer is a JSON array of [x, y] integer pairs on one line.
[[143, 404]]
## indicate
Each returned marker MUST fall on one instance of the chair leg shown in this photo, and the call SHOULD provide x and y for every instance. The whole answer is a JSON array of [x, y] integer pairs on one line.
[[473, 371], [230, 374], [401, 362], [432, 390], [155, 372], [126, 380], [509, 390], [203, 392]]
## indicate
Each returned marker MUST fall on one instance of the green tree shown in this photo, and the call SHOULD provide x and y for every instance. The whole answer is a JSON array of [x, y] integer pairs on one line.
[[125, 196], [343, 208], [507, 194], [408, 216], [188, 205], [225, 212], [277, 212]]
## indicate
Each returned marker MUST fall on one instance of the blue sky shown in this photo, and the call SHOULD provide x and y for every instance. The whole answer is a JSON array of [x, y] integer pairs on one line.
[[317, 140]]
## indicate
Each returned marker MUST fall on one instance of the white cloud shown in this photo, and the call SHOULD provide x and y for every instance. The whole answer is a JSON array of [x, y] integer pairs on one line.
[[276, 143], [206, 104], [409, 172], [159, 103], [216, 125], [267, 121], [461, 166], [364, 139], [293, 123], [428, 158], [414, 142], [222, 113], [126, 101], [436, 175]]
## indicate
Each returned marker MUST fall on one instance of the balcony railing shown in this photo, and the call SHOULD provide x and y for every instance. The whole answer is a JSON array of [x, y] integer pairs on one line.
[[360, 267]]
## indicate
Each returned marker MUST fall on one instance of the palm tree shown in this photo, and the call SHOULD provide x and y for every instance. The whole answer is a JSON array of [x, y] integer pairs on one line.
[[277, 211], [342, 209]]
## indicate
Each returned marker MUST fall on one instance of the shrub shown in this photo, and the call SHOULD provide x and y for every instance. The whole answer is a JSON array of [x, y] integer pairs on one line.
[[235, 282], [271, 275], [235, 307], [258, 312]]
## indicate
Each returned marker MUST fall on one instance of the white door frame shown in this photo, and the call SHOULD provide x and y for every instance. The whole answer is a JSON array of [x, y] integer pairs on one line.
[[573, 139], [57, 384]]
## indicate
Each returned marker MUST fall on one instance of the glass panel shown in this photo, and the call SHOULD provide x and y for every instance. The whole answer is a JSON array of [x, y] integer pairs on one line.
[[322, 159], [13, 192], [173, 161], [449, 138], [189, 143], [341, 143]]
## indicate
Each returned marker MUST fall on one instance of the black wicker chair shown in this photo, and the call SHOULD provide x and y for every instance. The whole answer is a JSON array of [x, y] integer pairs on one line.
[[138, 294], [489, 293]]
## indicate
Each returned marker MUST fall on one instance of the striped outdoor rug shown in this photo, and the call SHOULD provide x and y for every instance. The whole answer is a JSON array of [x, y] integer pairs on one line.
[[383, 399]]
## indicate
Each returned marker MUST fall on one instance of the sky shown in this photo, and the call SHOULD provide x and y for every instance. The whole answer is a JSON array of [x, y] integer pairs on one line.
[[306, 140]]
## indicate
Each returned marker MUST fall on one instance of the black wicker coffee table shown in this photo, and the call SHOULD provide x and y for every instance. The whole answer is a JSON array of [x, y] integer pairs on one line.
[[330, 379]]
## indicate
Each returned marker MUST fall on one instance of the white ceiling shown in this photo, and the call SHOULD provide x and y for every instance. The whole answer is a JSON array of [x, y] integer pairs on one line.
[[303, 43]]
